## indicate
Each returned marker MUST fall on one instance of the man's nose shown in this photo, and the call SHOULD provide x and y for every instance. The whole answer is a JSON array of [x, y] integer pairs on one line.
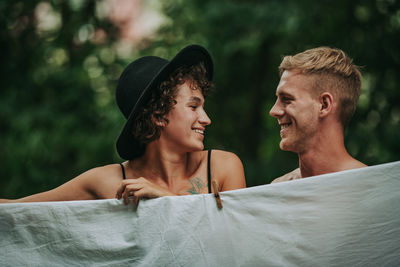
[[276, 110]]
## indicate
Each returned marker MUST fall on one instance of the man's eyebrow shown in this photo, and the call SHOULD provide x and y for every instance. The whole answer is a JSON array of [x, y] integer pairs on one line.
[[281, 94]]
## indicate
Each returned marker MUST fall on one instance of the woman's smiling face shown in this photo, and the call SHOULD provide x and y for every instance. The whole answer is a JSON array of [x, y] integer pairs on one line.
[[187, 119]]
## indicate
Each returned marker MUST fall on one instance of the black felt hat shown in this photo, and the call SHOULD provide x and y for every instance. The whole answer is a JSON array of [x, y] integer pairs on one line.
[[138, 81]]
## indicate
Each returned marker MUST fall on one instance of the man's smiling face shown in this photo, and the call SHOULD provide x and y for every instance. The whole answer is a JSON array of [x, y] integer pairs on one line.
[[296, 110]]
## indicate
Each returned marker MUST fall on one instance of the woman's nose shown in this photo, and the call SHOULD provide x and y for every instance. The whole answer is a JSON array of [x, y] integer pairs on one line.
[[204, 119]]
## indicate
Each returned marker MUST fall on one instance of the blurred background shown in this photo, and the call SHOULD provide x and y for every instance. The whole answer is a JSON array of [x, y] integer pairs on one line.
[[61, 61]]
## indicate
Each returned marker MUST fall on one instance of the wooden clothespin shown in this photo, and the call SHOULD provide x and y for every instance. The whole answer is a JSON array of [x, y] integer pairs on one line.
[[216, 194]]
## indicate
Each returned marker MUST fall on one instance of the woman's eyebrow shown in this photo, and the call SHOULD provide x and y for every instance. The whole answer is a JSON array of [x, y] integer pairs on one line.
[[195, 99]]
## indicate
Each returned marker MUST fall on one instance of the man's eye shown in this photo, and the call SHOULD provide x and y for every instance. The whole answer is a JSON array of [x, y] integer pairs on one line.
[[286, 99]]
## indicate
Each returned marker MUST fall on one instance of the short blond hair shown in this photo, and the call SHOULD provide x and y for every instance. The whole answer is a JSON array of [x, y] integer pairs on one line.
[[333, 72]]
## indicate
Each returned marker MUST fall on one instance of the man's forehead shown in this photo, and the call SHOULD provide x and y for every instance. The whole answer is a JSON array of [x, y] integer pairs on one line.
[[290, 75], [291, 81]]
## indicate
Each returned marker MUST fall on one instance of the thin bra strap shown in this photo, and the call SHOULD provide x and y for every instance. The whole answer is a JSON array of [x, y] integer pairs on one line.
[[123, 171], [209, 171]]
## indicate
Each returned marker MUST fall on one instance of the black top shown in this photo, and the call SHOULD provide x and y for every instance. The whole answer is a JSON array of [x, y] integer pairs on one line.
[[208, 171]]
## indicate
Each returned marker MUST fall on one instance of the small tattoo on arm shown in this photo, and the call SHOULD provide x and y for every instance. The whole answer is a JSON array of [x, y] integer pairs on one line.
[[197, 185]]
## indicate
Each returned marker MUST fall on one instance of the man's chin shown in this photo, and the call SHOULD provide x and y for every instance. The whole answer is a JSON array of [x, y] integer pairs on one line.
[[285, 146]]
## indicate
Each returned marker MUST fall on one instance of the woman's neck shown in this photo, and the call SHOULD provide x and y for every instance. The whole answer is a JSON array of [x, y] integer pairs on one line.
[[157, 164]]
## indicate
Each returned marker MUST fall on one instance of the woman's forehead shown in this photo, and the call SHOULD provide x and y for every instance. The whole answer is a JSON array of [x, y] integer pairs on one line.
[[187, 90]]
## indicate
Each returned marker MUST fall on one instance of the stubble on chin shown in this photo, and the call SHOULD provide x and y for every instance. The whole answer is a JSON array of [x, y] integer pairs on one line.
[[286, 145]]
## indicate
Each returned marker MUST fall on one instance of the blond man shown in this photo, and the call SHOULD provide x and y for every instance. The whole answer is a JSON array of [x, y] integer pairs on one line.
[[316, 98]]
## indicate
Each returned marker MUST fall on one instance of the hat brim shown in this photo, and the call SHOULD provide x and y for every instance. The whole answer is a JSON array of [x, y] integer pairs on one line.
[[127, 146]]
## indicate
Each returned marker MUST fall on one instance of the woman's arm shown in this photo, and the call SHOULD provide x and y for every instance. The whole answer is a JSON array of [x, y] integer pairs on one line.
[[227, 170], [81, 187]]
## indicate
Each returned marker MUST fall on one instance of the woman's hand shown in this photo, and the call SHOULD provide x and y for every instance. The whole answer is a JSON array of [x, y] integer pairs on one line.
[[140, 188]]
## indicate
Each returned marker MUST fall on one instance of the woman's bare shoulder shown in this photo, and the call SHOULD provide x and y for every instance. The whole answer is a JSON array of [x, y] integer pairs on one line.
[[110, 170], [103, 181], [227, 169], [225, 157]]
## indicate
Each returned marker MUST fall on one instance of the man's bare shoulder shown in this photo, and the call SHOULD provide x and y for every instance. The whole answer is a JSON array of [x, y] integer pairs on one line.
[[293, 175]]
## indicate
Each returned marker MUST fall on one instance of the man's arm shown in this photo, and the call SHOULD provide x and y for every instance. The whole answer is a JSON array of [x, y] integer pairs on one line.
[[293, 175]]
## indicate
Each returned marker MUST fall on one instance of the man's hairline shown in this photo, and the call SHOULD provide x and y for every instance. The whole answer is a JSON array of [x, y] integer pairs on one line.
[[298, 71]]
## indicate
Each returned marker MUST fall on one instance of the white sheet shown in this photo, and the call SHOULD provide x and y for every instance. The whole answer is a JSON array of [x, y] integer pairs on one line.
[[350, 218]]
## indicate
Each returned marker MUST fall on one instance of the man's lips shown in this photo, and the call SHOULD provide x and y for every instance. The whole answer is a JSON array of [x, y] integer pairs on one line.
[[284, 127]]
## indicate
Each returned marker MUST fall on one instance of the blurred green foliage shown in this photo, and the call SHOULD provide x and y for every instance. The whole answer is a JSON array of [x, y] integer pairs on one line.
[[58, 115]]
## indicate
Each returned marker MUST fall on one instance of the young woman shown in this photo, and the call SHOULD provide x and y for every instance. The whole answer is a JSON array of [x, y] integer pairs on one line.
[[162, 140]]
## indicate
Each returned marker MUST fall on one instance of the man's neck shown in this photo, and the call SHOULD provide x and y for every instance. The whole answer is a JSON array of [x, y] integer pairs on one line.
[[322, 161], [327, 153]]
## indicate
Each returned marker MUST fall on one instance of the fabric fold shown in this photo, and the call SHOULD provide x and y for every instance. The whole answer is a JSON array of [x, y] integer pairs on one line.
[[349, 218]]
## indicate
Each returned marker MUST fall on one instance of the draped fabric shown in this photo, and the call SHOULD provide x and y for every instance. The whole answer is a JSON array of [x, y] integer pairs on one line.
[[349, 218]]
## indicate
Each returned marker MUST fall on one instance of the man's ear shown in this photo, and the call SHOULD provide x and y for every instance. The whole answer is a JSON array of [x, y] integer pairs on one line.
[[326, 104]]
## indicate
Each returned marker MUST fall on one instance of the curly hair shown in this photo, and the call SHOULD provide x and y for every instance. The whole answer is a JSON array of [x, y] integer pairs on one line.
[[333, 71], [162, 100]]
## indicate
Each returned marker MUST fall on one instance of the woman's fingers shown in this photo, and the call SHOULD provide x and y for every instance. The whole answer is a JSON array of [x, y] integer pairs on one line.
[[123, 186], [136, 200], [121, 189], [138, 188], [130, 191]]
